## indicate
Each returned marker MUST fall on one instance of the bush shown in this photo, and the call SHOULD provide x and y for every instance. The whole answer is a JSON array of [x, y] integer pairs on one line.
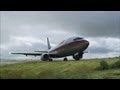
[[103, 65], [116, 64]]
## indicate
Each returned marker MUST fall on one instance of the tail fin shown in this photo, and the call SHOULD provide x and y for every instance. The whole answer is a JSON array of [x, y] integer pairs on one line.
[[48, 43]]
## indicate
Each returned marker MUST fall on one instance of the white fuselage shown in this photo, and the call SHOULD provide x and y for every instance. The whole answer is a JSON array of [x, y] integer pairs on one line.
[[69, 47]]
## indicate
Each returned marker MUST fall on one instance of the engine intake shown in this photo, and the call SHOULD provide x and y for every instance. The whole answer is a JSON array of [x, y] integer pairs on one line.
[[45, 57]]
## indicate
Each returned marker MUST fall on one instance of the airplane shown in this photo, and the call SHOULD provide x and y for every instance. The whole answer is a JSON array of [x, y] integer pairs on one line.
[[73, 46]]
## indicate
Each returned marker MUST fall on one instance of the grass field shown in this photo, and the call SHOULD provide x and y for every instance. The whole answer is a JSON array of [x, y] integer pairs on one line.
[[83, 69]]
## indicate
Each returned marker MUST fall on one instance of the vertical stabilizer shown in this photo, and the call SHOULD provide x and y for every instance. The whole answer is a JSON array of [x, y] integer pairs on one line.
[[48, 43]]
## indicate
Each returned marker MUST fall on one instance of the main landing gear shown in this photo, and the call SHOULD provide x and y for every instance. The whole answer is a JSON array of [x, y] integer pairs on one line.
[[50, 59], [65, 59]]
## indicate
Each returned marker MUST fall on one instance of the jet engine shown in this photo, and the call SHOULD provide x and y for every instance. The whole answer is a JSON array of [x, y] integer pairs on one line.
[[77, 56], [45, 56]]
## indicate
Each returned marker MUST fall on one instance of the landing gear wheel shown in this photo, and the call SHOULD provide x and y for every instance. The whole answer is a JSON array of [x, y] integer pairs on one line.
[[77, 59], [65, 59], [50, 60]]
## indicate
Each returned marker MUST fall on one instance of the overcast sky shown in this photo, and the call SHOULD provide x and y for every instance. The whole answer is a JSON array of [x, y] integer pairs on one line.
[[26, 31]]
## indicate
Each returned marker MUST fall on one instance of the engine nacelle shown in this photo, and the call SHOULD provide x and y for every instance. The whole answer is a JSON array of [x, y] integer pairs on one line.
[[44, 57]]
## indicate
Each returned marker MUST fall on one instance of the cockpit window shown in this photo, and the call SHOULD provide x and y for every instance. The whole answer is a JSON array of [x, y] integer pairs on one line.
[[76, 39]]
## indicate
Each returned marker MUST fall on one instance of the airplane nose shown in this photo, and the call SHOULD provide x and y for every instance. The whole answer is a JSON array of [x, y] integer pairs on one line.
[[86, 43]]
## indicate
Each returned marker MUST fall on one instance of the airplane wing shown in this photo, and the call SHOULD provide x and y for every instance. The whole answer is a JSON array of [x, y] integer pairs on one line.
[[32, 54], [42, 51]]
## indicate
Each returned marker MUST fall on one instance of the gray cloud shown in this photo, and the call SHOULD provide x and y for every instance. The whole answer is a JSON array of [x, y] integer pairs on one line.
[[27, 30], [106, 24]]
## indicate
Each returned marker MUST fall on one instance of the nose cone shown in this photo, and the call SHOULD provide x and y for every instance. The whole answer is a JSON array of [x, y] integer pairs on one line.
[[86, 43]]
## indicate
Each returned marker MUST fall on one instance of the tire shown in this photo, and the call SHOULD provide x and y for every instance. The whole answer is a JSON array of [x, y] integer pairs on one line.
[[50, 60], [65, 59], [77, 59]]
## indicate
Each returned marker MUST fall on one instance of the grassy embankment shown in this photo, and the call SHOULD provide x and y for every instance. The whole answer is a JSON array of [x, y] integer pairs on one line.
[[83, 69]]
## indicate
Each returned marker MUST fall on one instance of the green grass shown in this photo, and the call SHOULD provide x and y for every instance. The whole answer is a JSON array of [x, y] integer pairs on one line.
[[83, 69]]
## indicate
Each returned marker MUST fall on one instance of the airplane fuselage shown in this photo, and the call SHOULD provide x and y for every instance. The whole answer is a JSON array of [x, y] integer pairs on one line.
[[69, 48]]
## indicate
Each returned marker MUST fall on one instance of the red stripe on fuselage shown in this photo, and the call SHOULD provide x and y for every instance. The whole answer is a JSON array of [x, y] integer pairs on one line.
[[69, 45]]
